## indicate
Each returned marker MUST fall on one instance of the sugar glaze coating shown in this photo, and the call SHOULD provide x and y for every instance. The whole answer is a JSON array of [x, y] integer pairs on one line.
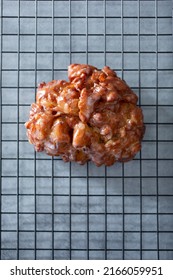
[[92, 117]]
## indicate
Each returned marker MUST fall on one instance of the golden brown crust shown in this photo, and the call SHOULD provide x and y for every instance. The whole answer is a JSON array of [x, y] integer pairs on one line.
[[94, 117]]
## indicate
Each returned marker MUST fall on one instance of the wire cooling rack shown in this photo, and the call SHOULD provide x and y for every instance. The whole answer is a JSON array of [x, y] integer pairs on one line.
[[55, 210]]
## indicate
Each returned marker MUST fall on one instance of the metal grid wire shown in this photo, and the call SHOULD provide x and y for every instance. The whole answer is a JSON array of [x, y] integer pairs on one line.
[[55, 210]]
